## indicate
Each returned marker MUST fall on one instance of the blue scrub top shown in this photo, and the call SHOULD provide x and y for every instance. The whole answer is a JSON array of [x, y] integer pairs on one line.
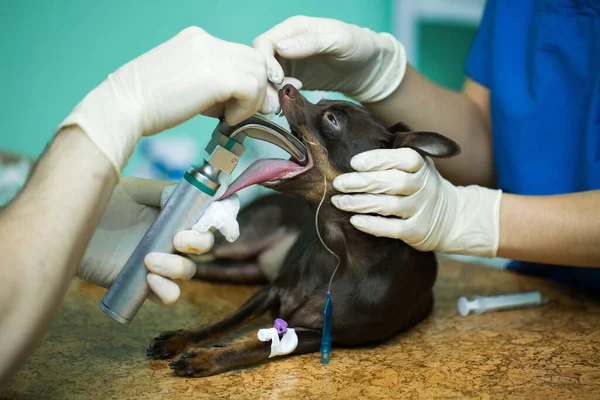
[[540, 59]]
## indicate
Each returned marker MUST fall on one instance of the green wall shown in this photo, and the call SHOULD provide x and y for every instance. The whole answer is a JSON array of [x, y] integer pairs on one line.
[[54, 52], [442, 50]]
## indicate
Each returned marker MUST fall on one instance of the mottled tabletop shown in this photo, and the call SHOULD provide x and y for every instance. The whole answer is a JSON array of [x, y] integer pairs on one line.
[[549, 352]]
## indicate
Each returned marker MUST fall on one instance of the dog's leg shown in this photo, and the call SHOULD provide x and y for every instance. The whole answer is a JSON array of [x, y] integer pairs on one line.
[[230, 271], [199, 362], [169, 344]]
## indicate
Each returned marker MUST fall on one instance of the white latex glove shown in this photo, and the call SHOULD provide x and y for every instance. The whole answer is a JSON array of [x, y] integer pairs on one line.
[[427, 212], [133, 207], [330, 55], [192, 73]]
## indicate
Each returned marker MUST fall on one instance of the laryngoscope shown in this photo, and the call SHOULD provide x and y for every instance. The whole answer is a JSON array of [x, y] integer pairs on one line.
[[192, 196]]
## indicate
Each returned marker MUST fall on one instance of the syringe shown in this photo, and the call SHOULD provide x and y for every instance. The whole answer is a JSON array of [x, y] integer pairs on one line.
[[485, 304]]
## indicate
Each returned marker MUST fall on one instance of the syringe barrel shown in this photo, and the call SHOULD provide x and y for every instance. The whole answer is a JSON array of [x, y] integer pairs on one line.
[[507, 301]]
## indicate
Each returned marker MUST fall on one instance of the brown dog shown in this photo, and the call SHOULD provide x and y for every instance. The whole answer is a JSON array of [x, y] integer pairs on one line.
[[382, 286]]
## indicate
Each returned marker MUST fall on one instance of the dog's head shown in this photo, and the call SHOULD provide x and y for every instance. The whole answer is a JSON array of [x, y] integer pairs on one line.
[[334, 132]]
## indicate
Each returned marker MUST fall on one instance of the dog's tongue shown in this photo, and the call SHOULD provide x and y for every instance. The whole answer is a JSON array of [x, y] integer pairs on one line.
[[261, 171]]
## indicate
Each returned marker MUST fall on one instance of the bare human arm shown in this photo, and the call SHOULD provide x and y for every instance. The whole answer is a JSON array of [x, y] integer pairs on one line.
[[560, 230], [44, 233]]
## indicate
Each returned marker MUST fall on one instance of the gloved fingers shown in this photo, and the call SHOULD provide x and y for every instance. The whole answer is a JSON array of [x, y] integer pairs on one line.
[[393, 182], [394, 228], [288, 29], [307, 44], [247, 97], [193, 242], [411, 231], [215, 111], [399, 206], [163, 291], [273, 89], [271, 102], [94, 269], [171, 266], [268, 105], [404, 159], [265, 44], [187, 33], [292, 81], [273, 98], [378, 226], [166, 194], [275, 72], [145, 191]]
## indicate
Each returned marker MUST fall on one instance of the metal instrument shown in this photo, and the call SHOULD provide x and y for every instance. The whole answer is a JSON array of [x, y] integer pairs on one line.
[[192, 196]]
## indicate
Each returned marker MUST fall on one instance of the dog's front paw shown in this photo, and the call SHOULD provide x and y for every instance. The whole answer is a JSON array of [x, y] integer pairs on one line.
[[197, 362], [168, 344]]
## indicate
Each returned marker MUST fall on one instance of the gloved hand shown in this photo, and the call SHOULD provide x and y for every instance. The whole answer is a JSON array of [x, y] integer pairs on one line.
[[326, 54], [427, 212], [133, 207], [190, 74]]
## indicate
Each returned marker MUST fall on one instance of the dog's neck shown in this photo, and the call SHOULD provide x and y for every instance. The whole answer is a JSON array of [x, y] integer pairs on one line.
[[354, 247]]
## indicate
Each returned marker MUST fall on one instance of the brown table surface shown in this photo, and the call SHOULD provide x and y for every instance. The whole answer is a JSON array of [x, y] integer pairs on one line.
[[544, 352]]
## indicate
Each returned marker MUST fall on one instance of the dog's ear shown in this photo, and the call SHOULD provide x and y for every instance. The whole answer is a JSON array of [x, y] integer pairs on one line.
[[430, 144]]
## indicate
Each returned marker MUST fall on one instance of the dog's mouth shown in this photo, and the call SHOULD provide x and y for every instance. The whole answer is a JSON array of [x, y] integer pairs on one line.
[[272, 172], [269, 172]]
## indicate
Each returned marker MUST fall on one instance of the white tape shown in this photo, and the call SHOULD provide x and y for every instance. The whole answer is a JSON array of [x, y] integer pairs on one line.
[[287, 344], [222, 215], [219, 214]]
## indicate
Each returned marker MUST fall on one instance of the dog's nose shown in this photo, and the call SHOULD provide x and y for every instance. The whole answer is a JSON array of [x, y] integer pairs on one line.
[[290, 91]]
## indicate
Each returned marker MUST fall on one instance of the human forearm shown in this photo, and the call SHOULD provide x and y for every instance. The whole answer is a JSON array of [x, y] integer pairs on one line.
[[463, 117], [58, 209], [562, 229]]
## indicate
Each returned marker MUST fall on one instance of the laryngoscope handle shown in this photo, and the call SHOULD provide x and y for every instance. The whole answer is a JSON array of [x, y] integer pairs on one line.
[[194, 193]]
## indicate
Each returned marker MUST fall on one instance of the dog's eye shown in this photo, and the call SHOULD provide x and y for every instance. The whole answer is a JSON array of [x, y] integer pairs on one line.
[[331, 118]]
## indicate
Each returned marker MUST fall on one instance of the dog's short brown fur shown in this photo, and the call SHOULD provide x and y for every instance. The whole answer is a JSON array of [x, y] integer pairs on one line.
[[382, 287]]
